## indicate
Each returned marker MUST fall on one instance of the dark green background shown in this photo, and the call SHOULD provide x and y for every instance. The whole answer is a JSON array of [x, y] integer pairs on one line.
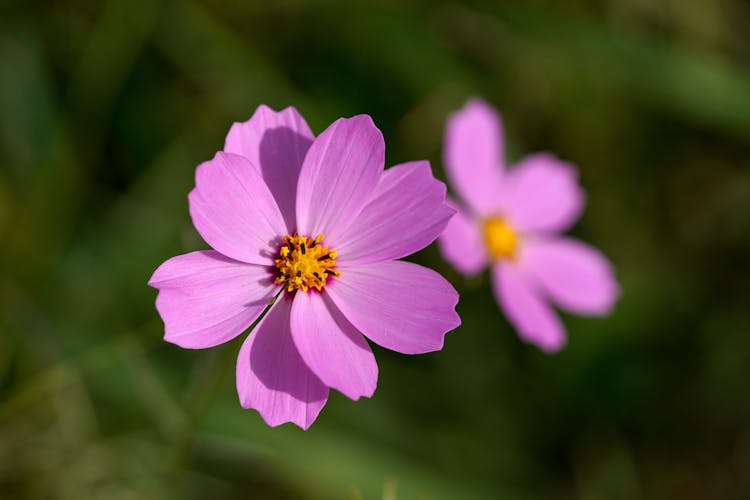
[[106, 109]]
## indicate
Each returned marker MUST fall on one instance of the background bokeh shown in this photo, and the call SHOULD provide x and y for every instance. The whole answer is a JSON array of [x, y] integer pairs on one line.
[[107, 107]]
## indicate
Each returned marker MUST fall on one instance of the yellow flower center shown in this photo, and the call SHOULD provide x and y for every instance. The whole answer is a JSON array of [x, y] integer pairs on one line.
[[499, 238], [304, 263]]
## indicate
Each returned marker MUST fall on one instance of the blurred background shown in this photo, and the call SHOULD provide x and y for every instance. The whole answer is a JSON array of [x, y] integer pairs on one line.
[[107, 107]]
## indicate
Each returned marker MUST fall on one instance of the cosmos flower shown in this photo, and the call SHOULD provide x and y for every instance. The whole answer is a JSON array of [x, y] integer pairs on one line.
[[511, 220], [311, 226]]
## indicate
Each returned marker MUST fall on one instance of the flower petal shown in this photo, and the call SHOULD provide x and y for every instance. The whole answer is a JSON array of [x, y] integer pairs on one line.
[[543, 194], [332, 348], [338, 176], [532, 317], [399, 305], [406, 213], [272, 378], [576, 276], [473, 156], [234, 211], [461, 243], [206, 299], [275, 142]]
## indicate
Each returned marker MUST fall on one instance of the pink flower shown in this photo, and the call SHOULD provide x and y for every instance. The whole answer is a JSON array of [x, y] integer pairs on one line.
[[316, 223], [511, 220]]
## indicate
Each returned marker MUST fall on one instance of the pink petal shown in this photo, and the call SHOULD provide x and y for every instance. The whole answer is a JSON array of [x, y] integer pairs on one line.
[[333, 349], [576, 276], [461, 243], [234, 211], [534, 319], [338, 176], [406, 213], [275, 142], [473, 156], [206, 299], [543, 194], [399, 305], [271, 376]]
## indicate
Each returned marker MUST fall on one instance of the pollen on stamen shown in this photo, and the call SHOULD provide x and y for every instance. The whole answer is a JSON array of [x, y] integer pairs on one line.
[[304, 263]]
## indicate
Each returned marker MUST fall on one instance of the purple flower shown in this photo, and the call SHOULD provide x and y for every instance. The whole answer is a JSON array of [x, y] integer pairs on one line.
[[316, 223], [511, 220]]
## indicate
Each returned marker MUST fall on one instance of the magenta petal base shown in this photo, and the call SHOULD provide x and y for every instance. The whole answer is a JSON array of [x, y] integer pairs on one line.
[[272, 377]]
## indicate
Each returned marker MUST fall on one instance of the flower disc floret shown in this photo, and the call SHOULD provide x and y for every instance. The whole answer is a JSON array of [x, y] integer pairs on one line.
[[304, 263], [500, 238]]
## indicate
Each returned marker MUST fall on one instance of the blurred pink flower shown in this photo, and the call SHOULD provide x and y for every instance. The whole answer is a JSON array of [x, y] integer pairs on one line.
[[511, 220], [316, 223]]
